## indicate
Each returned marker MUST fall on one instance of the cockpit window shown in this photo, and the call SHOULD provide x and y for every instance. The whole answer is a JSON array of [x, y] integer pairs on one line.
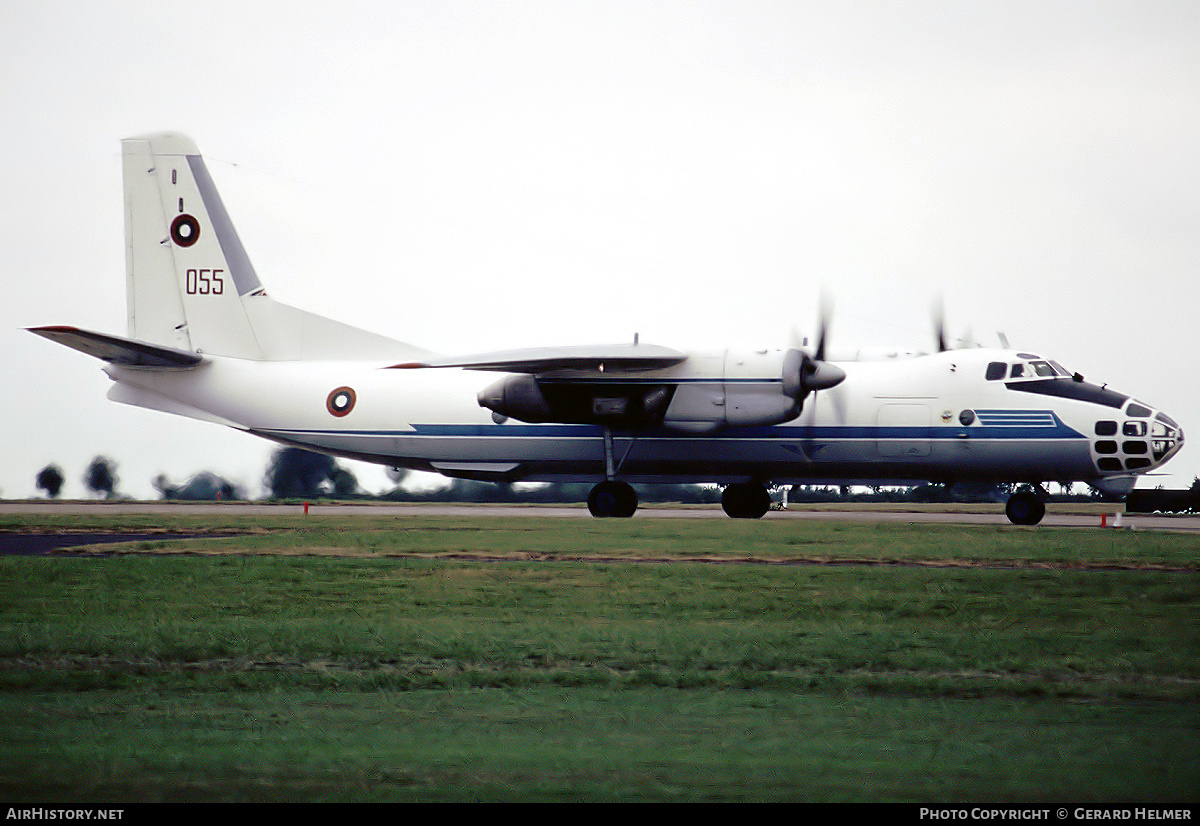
[[996, 370], [1137, 411], [1035, 368]]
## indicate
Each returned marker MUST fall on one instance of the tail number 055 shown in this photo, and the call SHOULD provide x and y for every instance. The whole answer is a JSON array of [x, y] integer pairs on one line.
[[205, 282]]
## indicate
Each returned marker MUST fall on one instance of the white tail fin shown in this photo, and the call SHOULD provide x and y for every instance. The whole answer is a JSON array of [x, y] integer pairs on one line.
[[190, 284]]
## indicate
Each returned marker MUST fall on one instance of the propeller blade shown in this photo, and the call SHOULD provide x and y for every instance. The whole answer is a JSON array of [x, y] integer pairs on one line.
[[822, 329], [939, 325], [839, 406]]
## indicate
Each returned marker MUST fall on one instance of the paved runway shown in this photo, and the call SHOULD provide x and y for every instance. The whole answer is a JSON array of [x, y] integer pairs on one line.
[[1159, 522]]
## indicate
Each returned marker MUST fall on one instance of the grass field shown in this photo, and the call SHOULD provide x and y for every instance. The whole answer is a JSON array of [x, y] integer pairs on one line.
[[457, 658]]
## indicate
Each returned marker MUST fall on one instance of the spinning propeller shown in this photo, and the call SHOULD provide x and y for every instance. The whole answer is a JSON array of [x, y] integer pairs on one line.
[[804, 373], [966, 341]]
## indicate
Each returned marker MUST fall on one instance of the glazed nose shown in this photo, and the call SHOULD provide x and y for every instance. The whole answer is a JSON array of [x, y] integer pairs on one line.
[[1166, 438]]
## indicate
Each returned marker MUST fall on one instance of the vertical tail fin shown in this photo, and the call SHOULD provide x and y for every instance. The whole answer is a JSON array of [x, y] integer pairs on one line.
[[190, 284], [185, 265]]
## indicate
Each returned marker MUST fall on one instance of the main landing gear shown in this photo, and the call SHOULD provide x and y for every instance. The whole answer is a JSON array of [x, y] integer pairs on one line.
[[746, 500], [1025, 507], [611, 497]]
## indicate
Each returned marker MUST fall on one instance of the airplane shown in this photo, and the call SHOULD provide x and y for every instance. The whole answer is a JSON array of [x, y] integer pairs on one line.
[[204, 340]]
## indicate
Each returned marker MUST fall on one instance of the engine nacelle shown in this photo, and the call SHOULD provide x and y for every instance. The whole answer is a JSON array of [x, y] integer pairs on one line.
[[758, 405], [734, 388], [526, 399], [518, 397], [745, 391]]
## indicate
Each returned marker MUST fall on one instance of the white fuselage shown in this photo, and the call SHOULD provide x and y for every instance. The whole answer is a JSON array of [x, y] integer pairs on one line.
[[935, 417]]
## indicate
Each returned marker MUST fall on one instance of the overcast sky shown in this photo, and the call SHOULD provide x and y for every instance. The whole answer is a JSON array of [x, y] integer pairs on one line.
[[486, 175]]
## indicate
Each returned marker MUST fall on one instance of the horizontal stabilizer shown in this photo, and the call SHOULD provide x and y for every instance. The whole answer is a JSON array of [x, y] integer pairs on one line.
[[117, 350], [547, 359]]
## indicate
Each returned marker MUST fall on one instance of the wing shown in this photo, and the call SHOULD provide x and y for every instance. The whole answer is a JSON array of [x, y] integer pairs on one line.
[[590, 384], [117, 350], [628, 386], [603, 357]]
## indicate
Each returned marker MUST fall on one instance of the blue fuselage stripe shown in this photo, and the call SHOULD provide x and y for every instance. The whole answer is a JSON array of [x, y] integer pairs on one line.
[[1003, 432]]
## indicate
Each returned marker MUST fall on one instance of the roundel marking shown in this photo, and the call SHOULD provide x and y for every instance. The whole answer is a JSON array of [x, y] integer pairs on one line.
[[185, 230], [341, 401]]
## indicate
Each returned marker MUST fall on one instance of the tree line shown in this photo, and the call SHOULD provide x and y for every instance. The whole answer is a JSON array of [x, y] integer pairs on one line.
[[100, 478]]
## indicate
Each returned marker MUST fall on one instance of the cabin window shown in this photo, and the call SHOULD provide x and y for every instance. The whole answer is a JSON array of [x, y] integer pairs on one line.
[[1133, 429], [996, 370], [1106, 428], [1137, 411]]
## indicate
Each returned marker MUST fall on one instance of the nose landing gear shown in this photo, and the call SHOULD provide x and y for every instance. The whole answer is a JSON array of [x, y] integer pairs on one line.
[[1025, 507]]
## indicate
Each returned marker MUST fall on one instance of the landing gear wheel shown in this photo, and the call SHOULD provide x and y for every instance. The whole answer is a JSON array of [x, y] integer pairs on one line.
[[745, 501], [1025, 508], [613, 499]]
